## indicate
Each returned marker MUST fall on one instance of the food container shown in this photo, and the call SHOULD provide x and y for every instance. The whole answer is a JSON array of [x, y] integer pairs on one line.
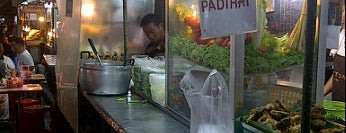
[[143, 67], [334, 109], [112, 78], [14, 82], [158, 88]]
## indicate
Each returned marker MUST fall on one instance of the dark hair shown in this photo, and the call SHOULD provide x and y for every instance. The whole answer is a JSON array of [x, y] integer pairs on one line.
[[151, 18], [17, 40]]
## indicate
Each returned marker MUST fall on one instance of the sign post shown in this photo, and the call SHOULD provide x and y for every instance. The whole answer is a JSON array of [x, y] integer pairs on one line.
[[225, 17], [230, 18]]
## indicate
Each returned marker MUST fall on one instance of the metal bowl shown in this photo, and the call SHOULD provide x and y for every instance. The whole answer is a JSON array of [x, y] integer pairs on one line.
[[112, 78]]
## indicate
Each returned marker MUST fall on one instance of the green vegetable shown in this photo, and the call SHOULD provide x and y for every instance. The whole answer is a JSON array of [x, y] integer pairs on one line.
[[213, 56], [124, 100]]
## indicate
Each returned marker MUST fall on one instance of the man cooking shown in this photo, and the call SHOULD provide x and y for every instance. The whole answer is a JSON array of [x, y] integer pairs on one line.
[[154, 29]]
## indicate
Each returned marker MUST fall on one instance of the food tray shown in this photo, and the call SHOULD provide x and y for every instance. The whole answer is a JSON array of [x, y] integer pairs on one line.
[[250, 129], [334, 108]]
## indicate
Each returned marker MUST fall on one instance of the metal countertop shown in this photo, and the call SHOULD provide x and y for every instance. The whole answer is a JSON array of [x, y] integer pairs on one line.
[[125, 117]]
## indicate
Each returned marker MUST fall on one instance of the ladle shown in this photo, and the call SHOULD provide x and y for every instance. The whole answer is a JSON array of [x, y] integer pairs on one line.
[[95, 51]]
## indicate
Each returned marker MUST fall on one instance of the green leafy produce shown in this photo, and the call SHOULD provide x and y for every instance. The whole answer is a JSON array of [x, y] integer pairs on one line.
[[274, 58], [265, 54], [137, 78], [213, 56]]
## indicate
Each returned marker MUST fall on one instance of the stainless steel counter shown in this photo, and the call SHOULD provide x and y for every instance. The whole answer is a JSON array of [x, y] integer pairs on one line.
[[134, 117]]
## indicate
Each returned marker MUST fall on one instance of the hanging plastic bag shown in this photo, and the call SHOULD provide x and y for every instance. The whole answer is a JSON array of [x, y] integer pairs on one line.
[[207, 96]]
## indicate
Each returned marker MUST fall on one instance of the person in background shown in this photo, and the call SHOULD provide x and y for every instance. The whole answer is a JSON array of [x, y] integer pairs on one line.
[[5, 65], [4, 41], [23, 55], [336, 82], [154, 28]]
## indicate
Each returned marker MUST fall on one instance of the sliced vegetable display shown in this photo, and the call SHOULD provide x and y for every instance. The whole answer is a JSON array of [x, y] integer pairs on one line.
[[273, 58]]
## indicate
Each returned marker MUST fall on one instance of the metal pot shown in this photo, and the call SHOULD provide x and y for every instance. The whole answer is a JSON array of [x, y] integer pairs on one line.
[[110, 79]]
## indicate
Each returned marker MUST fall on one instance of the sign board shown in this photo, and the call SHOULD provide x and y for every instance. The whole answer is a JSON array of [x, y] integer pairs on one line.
[[31, 16], [226, 17], [34, 8]]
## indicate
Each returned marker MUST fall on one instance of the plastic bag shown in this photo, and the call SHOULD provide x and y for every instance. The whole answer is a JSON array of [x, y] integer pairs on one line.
[[207, 96]]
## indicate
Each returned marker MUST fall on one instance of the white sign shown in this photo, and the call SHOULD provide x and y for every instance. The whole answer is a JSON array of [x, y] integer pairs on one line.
[[31, 16], [226, 17]]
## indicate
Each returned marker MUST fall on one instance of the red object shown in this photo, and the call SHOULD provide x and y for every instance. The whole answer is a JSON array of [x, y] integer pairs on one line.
[[32, 119], [262, 49], [14, 82], [248, 38], [192, 21], [24, 118]]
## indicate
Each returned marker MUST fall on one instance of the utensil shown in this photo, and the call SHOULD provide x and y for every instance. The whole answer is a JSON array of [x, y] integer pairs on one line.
[[95, 51]]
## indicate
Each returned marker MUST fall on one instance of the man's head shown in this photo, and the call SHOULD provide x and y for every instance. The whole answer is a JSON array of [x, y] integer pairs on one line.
[[153, 27], [17, 44]]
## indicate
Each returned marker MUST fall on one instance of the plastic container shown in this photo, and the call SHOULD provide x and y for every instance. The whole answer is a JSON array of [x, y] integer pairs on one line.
[[144, 66], [14, 82], [144, 78], [334, 109], [158, 88]]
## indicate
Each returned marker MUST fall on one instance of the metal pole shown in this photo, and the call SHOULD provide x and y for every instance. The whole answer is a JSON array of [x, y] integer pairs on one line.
[[125, 28], [308, 65]]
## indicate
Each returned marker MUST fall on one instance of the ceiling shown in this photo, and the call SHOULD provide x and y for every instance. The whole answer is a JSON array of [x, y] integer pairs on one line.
[[7, 11], [5, 3], [6, 7]]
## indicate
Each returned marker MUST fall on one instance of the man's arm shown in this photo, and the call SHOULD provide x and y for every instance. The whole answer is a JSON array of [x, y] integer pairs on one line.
[[328, 86]]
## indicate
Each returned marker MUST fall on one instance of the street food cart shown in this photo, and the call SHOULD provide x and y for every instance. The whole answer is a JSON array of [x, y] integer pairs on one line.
[[255, 66], [269, 65]]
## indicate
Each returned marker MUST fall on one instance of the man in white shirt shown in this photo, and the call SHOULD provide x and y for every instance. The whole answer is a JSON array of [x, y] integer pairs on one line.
[[23, 55]]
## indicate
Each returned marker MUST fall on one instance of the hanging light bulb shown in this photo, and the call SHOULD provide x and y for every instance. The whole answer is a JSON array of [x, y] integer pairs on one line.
[[41, 19]]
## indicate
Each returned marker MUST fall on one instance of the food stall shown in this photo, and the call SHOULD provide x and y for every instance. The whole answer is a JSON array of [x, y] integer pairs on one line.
[[253, 67], [267, 66]]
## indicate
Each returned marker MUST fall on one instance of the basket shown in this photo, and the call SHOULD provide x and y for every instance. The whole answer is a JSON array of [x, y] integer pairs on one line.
[[334, 109]]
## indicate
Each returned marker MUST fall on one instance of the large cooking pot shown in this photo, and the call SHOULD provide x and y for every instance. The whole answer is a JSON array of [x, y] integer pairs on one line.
[[110, 79]]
